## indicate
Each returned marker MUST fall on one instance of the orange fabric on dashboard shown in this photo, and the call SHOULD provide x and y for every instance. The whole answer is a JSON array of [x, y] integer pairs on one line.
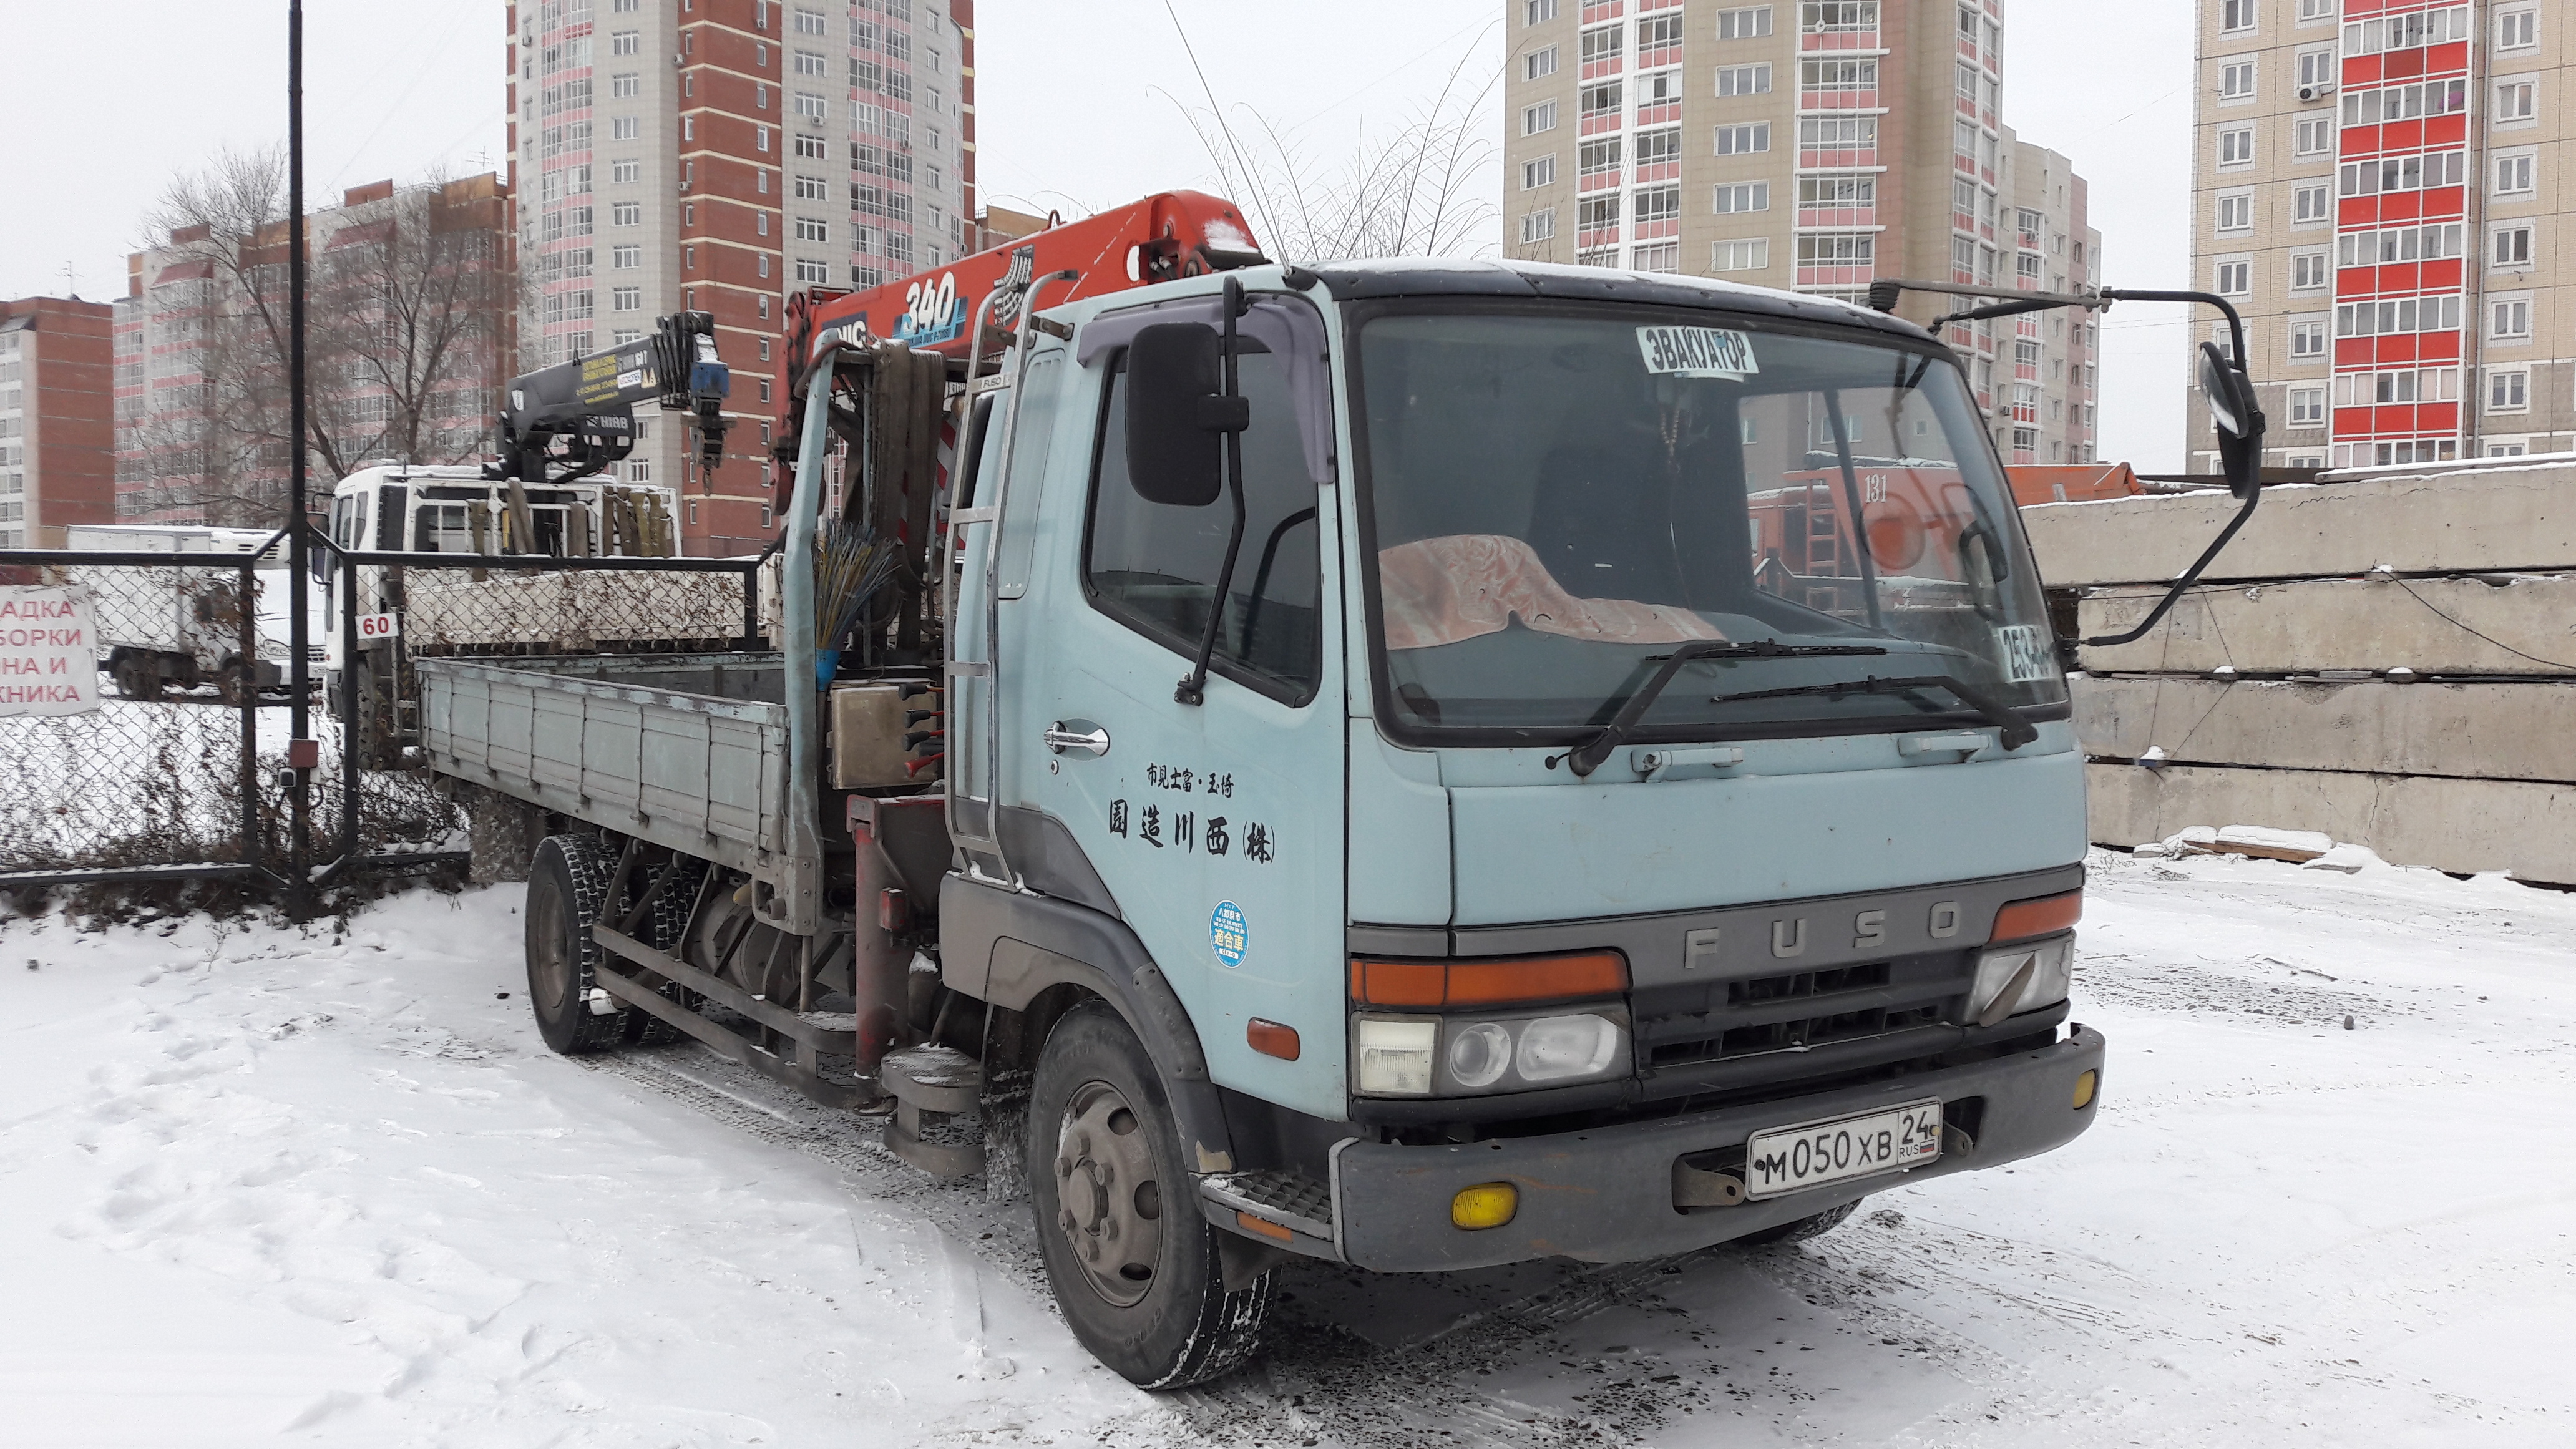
[[1441, 590]]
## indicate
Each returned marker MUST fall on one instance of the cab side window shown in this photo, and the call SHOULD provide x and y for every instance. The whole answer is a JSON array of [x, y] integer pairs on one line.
[[1154, 566]]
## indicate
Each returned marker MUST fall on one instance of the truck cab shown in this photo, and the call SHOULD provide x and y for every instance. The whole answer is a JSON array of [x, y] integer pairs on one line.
[[1542, 866]]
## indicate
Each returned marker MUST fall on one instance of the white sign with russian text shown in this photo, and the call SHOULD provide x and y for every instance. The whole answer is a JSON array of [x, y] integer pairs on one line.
[[48, 651]]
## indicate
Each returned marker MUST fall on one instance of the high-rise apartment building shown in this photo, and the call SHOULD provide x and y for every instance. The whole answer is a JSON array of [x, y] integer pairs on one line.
[[411, 305], [57, 440], [1815, 145], [719, 156], [2370, 188]]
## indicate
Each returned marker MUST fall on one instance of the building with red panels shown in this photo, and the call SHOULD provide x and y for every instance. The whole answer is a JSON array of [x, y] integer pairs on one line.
[[1817, 146], [2370, 193], [57, 419], [718, 156]]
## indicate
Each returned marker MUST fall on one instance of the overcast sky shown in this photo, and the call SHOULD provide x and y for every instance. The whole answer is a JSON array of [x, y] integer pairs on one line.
[[1080, 108]]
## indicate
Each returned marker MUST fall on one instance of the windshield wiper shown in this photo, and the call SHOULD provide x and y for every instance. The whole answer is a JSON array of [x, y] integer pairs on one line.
[[1585, 759], [2017, 731]]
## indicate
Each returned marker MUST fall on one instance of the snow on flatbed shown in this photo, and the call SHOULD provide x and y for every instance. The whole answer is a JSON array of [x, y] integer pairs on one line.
[[267, 1187]]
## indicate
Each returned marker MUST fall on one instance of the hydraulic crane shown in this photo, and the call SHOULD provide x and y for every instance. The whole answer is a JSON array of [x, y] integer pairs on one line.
[[587, 405]]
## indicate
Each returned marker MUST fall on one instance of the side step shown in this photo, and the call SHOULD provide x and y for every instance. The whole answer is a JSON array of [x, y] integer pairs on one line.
[[944, 1083]]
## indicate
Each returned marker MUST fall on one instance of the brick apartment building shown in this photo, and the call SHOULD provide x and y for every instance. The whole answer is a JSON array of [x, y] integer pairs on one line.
[[201, 417], [721, 155], [57, 445], [1809, 146], [2372, 186]]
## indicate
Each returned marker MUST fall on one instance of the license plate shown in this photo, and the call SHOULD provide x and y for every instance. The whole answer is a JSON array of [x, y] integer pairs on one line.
[[1812, 1154]]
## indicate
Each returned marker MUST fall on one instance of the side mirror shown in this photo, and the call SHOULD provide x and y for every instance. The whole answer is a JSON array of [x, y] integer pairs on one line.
[[1178, 414], [2239, 421]]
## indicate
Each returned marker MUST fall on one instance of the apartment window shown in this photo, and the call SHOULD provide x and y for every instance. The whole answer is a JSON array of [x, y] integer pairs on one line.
[[809, 148], [2509, 319], [1597, 158], [625, 172], [625, 85], [1660, 87], [1838, 15], [2234, 278], [2317, 67], [1843, 132], [2236, 146], [2309, 271], [2236, 211], [1595, 46], [626, 7], [2517, 30], [811, 188], [1837, 75], [2307, 407], [2516, 100], [625, 258], [1744, 196], [2510, 246], [626, 213], [2313, 136], [811, 106], [809, 22], [1751, 23], [1599, 213], [1538, 173], [1744, 80], [2314, 10], [624, 128], [1537, 12], [2236, 80], [1656, 148], [813, 229], [809, 62], [626, 299], [2513, 174], [1537, 118], [2237, 15], [1751, 255], [1600, 100], [760, 223], [2308, 339], [811, 273], [2508, 390], [1742, 140], [1538, 226], [1837, 249], [1660, 32], [1538, 63], [626, 42]]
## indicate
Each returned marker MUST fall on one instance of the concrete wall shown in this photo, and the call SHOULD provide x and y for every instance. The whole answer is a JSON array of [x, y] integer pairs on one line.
[[2373, 624], [2448, 824], [2491, 731], [2468, 765], [2462, 522]]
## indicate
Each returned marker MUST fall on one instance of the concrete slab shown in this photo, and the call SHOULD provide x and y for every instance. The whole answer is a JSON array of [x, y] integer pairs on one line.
[[2458, 825], [2489, 731], [2372, 624], [2465, 521]]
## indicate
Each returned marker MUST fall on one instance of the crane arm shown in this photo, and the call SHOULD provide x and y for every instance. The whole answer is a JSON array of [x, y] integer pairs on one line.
[[588, 403]]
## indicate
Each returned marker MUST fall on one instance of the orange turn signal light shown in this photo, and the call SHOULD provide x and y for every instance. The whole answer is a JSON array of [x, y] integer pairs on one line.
[[1488, 983], [1272, 1038], [1275, 1232], [2045, 916]]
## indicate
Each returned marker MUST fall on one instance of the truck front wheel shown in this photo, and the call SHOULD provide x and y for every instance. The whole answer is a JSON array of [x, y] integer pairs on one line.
[[567, 886], [1131, 1258]]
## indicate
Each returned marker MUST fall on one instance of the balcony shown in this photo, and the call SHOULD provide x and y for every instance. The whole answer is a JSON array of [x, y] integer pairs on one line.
[[1839, 218], [1839, 100], [1827, 42], [1838, 275]]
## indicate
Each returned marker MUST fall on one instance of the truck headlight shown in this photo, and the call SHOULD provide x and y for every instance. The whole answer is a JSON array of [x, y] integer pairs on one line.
[[1421, 1056], [2021, 977]]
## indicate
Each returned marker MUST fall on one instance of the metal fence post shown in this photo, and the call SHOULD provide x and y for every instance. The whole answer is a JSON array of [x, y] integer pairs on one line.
[[247, 640], [352, 734]]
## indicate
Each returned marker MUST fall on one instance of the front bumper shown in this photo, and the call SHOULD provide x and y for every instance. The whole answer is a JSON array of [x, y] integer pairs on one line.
[[1606, 1195]]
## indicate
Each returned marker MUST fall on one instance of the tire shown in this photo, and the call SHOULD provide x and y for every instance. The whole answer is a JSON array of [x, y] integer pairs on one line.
[[1136, 1271], [1801, 1229], [567, 885], [663, 932]]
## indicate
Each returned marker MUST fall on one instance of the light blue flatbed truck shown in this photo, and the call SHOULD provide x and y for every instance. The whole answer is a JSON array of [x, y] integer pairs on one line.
[[1356, 773]]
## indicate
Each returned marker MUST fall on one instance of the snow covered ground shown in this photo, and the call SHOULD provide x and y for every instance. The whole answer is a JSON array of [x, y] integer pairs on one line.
[[259, 1188]]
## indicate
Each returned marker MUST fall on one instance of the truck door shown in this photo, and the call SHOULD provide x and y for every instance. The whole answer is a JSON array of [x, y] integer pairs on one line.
[[1217, 827]]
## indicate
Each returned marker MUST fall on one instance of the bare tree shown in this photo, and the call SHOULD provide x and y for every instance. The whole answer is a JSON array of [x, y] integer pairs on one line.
[[409, 315], [1421, 190]]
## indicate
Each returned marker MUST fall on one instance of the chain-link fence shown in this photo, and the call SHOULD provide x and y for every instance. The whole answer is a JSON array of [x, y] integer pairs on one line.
[[132, 724]]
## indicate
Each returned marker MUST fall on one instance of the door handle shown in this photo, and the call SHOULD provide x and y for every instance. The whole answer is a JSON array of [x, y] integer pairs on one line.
[[1059, 739]]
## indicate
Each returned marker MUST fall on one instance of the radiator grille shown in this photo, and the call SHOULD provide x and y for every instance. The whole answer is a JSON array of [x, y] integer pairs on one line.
[[1794, 1011]]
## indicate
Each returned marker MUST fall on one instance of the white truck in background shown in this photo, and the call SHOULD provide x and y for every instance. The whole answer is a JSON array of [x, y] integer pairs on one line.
[[164, 628]]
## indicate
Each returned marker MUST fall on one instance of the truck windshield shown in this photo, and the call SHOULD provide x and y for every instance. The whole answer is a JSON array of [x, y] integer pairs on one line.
[[1560, 494]]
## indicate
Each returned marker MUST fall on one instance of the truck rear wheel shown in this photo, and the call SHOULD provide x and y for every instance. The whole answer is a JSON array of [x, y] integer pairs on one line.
[[1132, 1260], [567, 886]]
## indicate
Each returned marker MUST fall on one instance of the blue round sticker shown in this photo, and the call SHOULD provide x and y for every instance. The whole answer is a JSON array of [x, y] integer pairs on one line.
[[1229, 933]]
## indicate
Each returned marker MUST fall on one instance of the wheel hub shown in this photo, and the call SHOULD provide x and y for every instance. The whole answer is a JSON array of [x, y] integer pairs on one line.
[[1109, 1204]]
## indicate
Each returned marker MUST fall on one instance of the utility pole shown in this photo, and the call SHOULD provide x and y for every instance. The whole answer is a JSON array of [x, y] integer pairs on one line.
[[303, 752]]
